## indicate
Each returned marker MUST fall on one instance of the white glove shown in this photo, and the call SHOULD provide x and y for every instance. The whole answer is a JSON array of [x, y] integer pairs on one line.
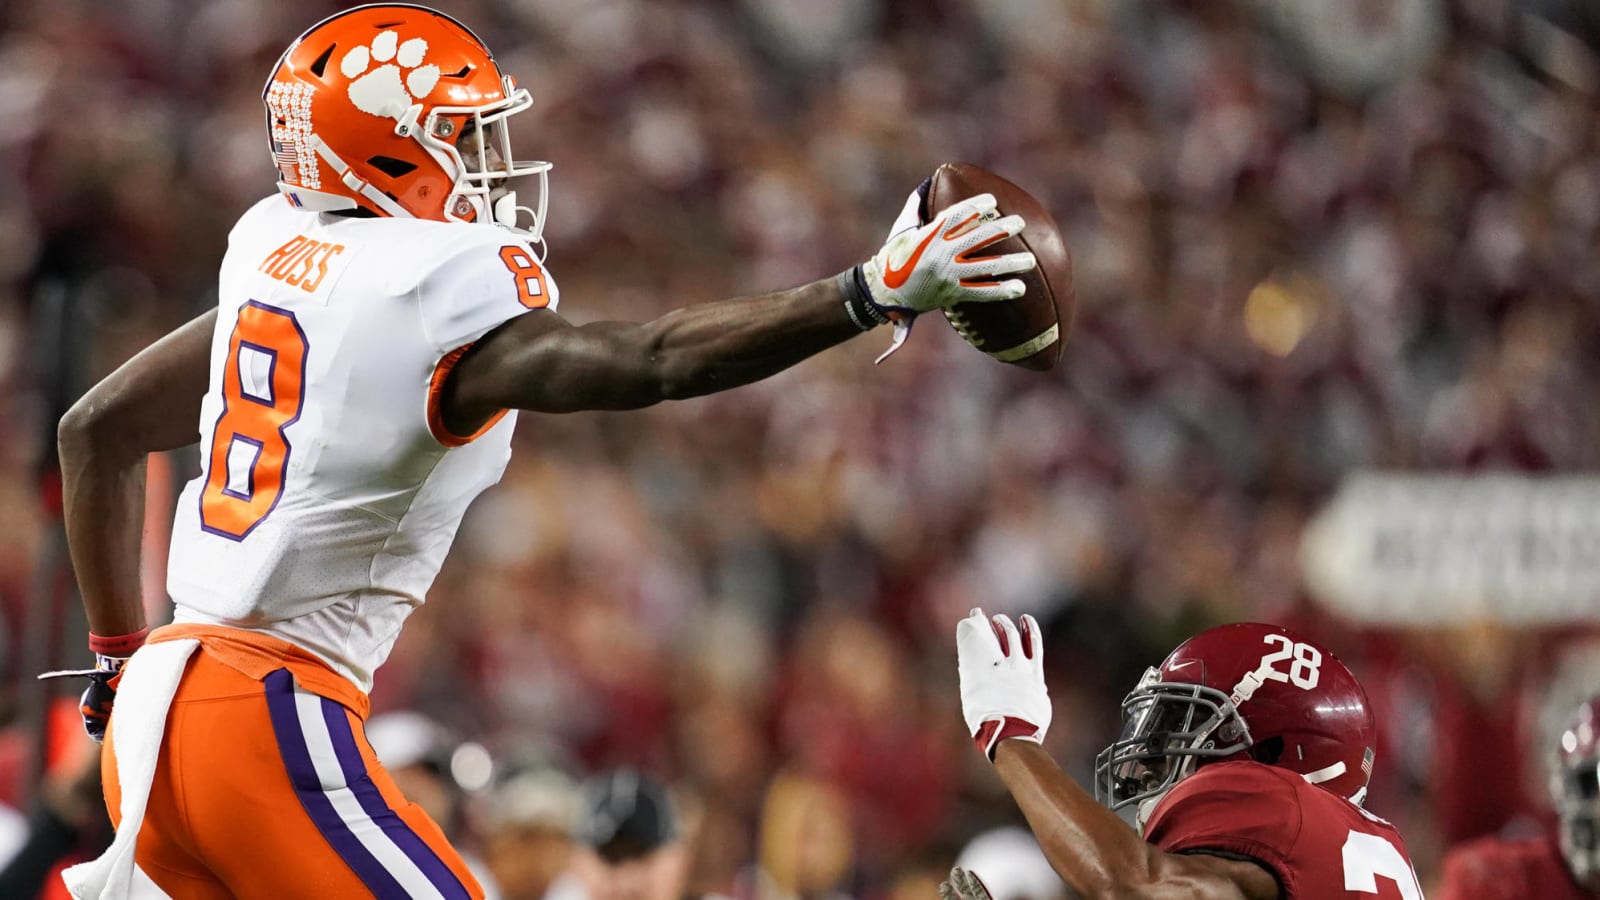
[[1002, 680], [911, 214], [935, 265], [940, 264], [964, 884]]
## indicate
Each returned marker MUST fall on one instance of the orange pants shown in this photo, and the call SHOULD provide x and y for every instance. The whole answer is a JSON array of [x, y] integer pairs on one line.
[[267, 788]]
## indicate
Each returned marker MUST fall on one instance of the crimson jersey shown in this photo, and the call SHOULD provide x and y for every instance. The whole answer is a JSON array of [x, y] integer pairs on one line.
[[1499, 869], [1316, 843]]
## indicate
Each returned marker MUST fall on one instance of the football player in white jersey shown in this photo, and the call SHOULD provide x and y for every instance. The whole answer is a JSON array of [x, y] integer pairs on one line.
[[380, 320]]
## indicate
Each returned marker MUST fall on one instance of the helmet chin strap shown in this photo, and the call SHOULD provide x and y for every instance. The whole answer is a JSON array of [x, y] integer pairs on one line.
[[506, 209], [355, 182], [1147, 808], [507, 213]]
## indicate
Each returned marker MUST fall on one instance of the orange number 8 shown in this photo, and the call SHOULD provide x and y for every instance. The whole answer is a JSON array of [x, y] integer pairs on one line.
[[263, 389], [530, 278]]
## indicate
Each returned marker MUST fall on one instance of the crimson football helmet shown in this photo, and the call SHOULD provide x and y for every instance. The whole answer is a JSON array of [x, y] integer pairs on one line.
[[399, 110], [1575, 790], [1245, 691]]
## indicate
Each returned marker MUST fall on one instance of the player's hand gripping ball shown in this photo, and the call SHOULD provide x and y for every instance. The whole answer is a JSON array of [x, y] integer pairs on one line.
[[1029, 330], [948, 260], [926, 265]]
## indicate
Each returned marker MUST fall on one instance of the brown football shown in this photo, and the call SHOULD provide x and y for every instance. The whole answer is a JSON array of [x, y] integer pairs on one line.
[[1029, 330]]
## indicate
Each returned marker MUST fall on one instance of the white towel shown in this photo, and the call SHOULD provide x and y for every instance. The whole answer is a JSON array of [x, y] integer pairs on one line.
[[144, 695]]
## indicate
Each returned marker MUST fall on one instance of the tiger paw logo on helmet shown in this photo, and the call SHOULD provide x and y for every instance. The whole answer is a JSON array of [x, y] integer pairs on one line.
[[381, 91], [369, 108]]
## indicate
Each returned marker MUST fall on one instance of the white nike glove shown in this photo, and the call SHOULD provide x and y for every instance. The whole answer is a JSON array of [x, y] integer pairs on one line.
[[937, 265], [1003, 694], [911, 214]]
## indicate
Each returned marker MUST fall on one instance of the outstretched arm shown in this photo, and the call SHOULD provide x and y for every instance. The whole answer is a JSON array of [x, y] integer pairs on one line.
[[1007, 708], [538, 361], [151, 403], [1099, 855]]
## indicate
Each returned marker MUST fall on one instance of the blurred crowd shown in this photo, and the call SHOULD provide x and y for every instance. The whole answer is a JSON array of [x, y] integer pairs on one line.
[[1309, 237]]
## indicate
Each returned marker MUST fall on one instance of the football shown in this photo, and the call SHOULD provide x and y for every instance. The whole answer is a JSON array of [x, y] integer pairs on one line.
[[1029, 330]]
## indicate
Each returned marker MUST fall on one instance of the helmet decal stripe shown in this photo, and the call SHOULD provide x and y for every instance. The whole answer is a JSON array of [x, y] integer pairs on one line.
[[1326, 773]]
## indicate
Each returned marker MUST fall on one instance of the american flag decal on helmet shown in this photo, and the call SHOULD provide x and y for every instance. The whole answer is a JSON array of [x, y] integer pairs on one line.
[[287, 158], [1366, 763], [289, 106]]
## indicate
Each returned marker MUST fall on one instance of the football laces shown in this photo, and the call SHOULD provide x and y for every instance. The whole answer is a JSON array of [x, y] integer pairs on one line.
[[958, 321]]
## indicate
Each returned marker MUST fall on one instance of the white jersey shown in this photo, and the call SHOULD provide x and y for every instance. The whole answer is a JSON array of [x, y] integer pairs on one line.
[[329, 490]]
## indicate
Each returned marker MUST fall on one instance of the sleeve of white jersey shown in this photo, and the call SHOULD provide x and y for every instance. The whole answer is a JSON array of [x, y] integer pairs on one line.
[[478, 286]]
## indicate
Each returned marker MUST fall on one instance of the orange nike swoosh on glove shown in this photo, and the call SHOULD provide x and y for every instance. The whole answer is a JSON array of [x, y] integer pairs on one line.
[[893, 277]]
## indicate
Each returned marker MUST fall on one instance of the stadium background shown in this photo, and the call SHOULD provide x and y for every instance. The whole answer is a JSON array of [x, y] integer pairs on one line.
[[1310, 238]]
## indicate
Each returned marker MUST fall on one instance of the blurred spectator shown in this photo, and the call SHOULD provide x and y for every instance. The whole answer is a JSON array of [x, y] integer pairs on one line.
[[806, 849], [532, 818], [1562, 863], [1011, 865], [67, 824], [629, 843]]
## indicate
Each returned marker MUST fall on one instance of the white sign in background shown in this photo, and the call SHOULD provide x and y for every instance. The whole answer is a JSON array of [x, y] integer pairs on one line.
[[1429, 550]]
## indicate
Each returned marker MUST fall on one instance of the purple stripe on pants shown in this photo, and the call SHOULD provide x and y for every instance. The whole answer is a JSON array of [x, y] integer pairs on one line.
[[303, 774], [356, 777]]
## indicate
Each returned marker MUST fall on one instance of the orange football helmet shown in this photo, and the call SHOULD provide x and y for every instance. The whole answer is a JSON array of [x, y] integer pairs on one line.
[[401, 111]]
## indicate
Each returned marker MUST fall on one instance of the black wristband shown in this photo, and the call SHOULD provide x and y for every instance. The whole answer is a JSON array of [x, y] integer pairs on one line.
[[858, 300]]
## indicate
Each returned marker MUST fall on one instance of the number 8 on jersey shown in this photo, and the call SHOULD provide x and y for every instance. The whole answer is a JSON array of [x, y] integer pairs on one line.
[[263, 388]]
